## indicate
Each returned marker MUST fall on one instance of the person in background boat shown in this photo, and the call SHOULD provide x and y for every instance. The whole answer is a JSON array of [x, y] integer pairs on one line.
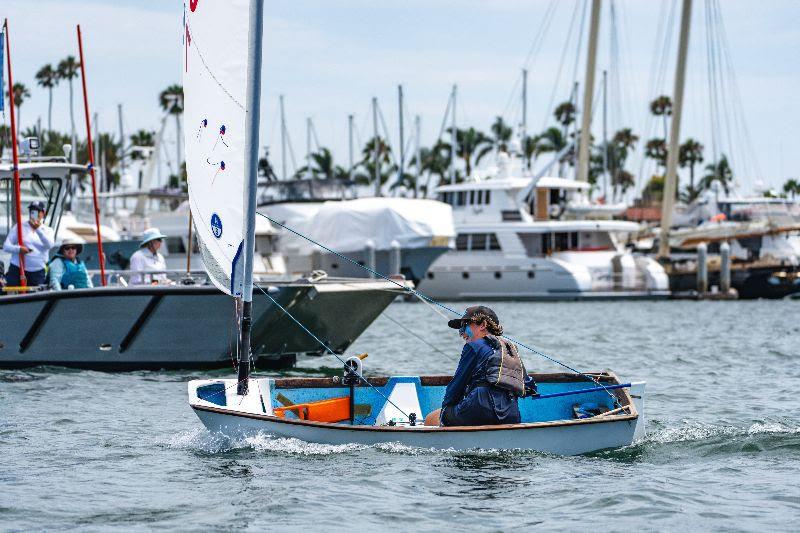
[[67, 271], [148, 259], [490, 377], [37, 239]]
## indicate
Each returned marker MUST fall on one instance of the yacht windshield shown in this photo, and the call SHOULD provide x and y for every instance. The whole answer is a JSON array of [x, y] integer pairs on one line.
[[306, 190], [46, 190]]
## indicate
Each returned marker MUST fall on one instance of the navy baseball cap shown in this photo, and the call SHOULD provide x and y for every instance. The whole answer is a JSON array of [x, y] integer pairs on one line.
[[471, 312]]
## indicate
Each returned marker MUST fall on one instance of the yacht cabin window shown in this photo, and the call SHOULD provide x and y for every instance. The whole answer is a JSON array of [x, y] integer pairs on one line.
[[477, 242], [461, 198]]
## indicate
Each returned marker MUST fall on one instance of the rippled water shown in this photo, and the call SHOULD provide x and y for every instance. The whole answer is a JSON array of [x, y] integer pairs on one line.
[[89, 450]]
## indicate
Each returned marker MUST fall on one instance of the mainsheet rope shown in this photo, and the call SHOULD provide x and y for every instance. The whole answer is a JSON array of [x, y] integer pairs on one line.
[[423, 298], [360, 376]]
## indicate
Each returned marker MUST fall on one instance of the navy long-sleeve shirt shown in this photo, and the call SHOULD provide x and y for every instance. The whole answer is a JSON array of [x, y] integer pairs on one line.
[[481, 405], [473, 357]]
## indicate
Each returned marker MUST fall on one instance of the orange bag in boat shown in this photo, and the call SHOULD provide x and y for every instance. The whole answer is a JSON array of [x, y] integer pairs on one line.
[[331, 410]]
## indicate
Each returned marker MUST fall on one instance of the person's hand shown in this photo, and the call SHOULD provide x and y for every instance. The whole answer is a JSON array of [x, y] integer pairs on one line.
[[24, 250]]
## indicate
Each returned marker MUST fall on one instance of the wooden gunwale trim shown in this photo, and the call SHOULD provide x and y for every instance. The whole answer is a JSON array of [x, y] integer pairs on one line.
[[457, 429], [439, 380]]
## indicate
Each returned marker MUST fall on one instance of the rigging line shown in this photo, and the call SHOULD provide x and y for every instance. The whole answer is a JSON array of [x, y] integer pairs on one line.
[[402, 286], [738, 95], [579, 46], [360, 376], [408, 289], [444, 118], [386, 133], [549, 109], [416, 336]]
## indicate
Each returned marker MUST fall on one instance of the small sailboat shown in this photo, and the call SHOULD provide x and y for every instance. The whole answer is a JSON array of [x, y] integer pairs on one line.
[[572, 413]]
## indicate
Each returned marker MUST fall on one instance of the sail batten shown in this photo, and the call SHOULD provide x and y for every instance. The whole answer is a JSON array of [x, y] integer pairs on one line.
[[215, 86]]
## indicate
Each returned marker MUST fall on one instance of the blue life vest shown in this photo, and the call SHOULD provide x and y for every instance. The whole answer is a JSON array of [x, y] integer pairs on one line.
[[75, 274]]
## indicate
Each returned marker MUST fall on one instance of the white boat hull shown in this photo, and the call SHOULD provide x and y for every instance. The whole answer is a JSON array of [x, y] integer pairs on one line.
[[243, 416], [561, 440]]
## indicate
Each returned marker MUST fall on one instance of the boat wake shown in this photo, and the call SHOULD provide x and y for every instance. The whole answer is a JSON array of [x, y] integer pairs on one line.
[[691, 438], [203, 441]]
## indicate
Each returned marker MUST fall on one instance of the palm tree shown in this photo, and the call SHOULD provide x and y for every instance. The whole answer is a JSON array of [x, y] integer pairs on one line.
[[171, 100], [565, 114], [68, 70], [623, 141], [434, 161], [322, 166], [502, 133], [5, 134], [720, 172], [690, 153], [367, 171], [792, 187], [656, 149], [47, 78], [143, 139], [662, 107], [471, 146], [20, 94]]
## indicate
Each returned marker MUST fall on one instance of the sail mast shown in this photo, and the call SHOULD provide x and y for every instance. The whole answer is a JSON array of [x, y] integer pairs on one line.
[[671, 182], [15, 157], [92, 166], [588, 92], [253, 107]]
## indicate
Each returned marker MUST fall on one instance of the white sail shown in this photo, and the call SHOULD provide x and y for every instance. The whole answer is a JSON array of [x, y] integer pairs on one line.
[[214, 86]]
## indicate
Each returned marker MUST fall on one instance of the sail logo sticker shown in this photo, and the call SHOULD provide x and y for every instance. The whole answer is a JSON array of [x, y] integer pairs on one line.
[[216, 225]]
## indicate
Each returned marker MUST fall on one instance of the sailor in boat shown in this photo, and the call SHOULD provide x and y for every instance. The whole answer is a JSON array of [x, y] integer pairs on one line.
[[37, 239], [148, 259], [490, 377], [67, 271]]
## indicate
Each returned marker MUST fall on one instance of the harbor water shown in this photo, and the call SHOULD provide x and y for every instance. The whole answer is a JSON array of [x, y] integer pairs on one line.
[[95, 451]]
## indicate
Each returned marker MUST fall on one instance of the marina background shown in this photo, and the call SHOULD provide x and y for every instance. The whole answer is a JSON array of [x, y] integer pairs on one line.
[[330, 59], [721, 452]]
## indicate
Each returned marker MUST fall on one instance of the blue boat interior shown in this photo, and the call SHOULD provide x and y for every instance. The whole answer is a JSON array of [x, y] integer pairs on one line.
[[370, 401]]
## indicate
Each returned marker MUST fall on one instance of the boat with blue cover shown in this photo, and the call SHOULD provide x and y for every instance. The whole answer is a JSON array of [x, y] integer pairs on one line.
[[388, 409]]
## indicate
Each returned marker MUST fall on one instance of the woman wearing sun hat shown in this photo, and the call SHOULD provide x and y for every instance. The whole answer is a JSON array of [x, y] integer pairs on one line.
[[490, 377], [67, 271], [147, 259]]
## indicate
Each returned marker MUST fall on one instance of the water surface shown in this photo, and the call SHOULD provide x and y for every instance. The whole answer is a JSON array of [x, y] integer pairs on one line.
[[92, 451]]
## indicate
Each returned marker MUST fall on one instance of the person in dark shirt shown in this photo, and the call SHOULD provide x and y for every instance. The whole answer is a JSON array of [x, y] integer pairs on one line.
[[470, 399]]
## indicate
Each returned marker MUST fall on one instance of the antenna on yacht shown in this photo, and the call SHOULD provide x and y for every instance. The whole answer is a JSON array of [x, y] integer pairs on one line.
[[100, 254], [417, 124], [605, 136], [376, 147], [15, 157], [121, 142], [524, 124], [402, 147], [671, 182], [453, 146], [283, 140], [588, 93], [308, 147], [350, 145]]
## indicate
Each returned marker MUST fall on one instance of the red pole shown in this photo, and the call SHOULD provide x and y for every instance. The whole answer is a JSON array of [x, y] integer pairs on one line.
[[15, 160], [91, 161]]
